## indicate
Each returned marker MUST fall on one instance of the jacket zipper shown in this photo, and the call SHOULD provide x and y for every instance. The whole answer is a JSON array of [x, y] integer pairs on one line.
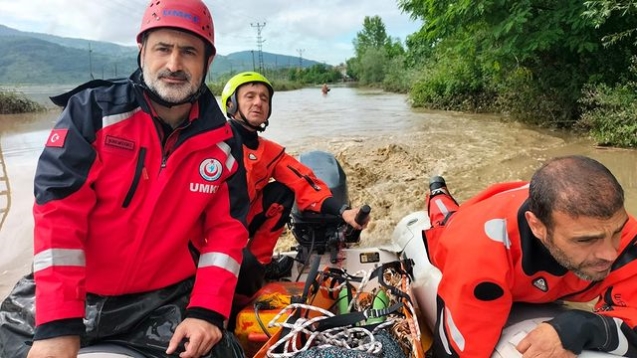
[[169, 146], [139, 170]]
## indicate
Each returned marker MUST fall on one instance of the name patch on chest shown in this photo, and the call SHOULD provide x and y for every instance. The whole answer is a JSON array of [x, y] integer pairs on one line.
[[119, 143]]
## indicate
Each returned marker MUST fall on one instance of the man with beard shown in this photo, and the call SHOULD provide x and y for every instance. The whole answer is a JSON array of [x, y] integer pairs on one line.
[[565, 235], [140, 206]]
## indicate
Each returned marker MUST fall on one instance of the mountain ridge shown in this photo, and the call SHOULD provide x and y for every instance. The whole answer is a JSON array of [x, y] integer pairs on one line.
[[30, 58]]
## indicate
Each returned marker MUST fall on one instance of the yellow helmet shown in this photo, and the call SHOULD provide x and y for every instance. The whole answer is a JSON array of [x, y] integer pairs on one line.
[[230, 90]]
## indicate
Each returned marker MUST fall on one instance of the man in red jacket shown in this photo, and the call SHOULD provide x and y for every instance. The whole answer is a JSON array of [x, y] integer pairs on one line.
[[275, 178], [564, 236], [135, 173]]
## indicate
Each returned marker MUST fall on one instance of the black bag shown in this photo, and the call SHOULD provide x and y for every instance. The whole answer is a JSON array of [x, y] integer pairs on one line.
[[141, 322]]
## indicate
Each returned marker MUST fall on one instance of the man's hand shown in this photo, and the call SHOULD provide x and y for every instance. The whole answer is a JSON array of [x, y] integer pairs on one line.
[[58, 347], [201, 336], [349, 216], [543, 342]]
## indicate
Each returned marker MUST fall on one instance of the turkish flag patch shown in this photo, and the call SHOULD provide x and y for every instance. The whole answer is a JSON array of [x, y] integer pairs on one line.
[[57, 138]]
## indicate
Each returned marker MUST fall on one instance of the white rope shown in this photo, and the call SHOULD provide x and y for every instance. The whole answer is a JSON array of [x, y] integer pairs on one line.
[[350, 338], [361, 286], [357, 338]]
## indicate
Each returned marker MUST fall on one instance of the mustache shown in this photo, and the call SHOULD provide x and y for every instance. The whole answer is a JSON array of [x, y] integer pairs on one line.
[[180, 75], [598, 263]]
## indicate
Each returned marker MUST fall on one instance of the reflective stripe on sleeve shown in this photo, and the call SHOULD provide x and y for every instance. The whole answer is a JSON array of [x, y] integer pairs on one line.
[[225, 148], [456, 335], [622, 345], [58, 257], [220, 260]]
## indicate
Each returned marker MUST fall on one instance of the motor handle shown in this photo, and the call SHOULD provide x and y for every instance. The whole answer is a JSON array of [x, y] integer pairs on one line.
[[351, 234]]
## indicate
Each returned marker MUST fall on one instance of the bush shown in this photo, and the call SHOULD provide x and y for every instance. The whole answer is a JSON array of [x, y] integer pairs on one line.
[[451, 83], [398, 78], [609, 113], [522, 96], [14, 102]]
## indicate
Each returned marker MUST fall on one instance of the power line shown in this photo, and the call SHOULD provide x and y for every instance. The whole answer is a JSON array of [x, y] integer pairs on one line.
[[260, 42]]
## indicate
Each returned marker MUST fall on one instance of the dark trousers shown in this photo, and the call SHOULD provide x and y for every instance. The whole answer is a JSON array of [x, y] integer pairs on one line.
[[142, 322]]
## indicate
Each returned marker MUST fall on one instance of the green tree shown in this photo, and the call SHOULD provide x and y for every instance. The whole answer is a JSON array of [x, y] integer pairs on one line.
[[556, 48], [373, 35], [373, 66], [618, 15], [316, 74], [376, 54]]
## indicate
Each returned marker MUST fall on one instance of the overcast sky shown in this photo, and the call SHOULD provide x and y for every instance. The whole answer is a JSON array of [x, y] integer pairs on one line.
[[320, 30]]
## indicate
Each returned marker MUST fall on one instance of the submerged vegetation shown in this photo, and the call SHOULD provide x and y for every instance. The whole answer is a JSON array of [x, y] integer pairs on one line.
[[562, 64], [14, 102]]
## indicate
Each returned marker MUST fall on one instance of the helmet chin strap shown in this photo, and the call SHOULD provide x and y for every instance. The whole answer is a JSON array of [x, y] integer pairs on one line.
[[260, 128]]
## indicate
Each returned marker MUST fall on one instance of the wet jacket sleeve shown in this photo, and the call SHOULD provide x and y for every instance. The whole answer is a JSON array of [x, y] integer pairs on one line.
[[613, 326], [309, 191], [63, 196], [472, 304], [221, 255]]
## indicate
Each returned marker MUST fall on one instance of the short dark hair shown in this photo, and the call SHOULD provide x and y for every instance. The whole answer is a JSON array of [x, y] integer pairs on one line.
[[575, 185]]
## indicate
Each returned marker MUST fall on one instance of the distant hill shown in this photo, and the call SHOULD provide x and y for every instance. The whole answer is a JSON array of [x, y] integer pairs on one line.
[[32, 58], [99, 47]]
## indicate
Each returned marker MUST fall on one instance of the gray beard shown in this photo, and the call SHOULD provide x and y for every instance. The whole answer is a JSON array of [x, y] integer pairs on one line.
[[169, 93]]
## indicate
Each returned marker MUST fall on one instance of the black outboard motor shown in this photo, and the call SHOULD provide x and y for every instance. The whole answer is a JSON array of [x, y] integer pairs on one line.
[[321, 232]]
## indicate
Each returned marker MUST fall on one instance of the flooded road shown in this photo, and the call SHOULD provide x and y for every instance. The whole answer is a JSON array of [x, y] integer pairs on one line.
[[387, 150]]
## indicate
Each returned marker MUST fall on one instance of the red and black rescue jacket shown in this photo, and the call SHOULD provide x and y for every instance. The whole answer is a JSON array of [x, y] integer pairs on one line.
[[116, 209]]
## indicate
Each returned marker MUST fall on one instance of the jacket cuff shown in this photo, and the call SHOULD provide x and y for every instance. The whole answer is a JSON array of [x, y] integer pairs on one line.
[[59, 328], [579, 330], [207, 315], [331, 206]]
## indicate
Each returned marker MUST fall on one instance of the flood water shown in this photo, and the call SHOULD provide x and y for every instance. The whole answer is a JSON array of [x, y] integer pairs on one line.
[[388, 150]]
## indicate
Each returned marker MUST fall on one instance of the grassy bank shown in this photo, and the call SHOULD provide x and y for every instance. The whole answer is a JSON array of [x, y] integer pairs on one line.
[[14, 102]]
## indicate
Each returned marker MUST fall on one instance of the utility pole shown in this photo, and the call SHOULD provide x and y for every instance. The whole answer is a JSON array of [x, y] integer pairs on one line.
[[260, 42], [253, 68], [300, 51], [90, 61]]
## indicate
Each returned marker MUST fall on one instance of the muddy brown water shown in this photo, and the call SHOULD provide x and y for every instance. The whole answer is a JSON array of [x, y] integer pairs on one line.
[[387, 150]]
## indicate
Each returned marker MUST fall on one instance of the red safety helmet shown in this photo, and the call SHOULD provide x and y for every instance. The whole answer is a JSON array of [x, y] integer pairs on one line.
[[189, 15]]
